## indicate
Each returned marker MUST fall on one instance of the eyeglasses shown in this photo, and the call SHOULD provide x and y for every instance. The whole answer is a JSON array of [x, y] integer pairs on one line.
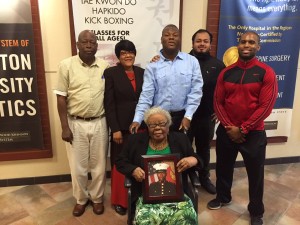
[[123, 53], [161, 124]]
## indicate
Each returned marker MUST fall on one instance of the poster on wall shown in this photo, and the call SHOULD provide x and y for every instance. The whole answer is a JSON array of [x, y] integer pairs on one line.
[[278, 24], [20, 123], [140, 21]]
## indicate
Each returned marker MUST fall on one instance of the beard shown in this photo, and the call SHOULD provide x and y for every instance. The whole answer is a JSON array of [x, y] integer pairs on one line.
[[201, 55], [246, 57]]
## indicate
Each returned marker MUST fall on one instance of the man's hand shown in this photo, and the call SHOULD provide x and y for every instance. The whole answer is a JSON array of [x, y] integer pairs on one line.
[[235, 134], [185, 124], [134, 127], [155, 59], [117, 137], [138, 174], [214, 118], [186, 163], [67, 135]]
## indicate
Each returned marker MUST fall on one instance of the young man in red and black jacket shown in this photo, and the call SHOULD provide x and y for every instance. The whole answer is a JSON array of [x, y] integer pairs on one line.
[[244, 96]]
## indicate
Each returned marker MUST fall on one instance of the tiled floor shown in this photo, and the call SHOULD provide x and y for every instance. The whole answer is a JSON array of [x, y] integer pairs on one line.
[[49, 204]]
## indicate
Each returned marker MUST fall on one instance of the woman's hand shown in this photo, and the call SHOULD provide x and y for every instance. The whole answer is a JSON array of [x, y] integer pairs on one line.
[[186, 163], [155, 58], [117, 137], [138, 174]]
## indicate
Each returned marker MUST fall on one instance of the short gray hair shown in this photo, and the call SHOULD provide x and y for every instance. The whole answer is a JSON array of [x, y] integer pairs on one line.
[[158, 110]]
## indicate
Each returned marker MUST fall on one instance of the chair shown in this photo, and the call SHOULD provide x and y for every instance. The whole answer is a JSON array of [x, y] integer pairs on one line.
[[194, 184]]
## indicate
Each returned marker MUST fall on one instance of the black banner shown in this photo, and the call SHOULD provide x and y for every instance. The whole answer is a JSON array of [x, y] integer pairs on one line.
[[20, 123]]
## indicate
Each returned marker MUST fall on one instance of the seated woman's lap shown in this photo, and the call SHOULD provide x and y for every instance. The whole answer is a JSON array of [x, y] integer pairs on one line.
[[166, 213]]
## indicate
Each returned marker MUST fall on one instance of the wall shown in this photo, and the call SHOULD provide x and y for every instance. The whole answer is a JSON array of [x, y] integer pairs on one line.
[[56, 46]]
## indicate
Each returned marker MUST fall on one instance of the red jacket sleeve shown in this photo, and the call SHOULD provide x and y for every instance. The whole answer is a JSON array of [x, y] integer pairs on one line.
[[219, 101]]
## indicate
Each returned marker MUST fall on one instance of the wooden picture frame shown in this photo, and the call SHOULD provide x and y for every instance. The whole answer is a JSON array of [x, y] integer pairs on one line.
[[158, 168]]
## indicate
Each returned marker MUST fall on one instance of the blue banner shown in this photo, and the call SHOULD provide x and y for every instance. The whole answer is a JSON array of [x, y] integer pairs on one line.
[[278, 24]]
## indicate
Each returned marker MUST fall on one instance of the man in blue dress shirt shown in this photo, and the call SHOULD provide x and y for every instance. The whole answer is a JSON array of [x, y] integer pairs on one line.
[[174, 83]]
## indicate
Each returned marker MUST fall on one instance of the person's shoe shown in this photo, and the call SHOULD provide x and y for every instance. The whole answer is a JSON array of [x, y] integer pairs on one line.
[[120, 210], [216, 204], [256, 220], [79, 209], [98, 208], [208, 186]]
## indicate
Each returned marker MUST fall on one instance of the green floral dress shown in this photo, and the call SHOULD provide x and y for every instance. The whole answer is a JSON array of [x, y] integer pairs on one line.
[[175, 213]]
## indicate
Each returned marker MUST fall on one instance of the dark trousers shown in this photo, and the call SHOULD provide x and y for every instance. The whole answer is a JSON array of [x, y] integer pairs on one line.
[[253, 151], [202, 129], [176, 120]]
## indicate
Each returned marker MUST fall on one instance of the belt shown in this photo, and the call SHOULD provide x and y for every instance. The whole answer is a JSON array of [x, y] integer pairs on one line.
[[86, 118], [178, 113]]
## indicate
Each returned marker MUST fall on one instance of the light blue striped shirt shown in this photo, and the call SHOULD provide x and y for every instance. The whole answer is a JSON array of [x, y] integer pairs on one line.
[[173, 85]]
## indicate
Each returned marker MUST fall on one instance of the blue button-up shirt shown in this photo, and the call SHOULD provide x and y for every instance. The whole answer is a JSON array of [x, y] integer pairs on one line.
[[173, 85]]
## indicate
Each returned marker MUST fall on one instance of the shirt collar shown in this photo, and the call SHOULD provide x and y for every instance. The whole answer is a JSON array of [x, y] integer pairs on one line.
[[95, 63], [179, 55], [248, 63]]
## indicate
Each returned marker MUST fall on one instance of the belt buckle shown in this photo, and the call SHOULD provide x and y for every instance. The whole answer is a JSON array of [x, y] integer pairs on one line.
[[74, 117], [86, 118]]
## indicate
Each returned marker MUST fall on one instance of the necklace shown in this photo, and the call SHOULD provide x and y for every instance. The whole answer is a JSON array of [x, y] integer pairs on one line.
[[159, 146]]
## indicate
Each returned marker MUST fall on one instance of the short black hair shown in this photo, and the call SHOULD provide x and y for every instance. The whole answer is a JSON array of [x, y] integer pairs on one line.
[[202, 31], [252, 32], [124, 45], [169, 26]]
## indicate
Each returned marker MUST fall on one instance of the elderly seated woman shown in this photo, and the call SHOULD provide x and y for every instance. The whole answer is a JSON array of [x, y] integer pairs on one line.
[[158, 141]]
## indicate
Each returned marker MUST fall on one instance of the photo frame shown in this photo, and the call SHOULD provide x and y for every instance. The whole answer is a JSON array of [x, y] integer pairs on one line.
[[162, 181]]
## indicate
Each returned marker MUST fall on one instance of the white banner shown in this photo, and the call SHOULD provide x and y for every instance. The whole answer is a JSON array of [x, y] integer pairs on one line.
[[140, 21]]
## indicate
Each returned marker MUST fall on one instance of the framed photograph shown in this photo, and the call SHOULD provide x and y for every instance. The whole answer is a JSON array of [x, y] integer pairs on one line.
[[162, 181]]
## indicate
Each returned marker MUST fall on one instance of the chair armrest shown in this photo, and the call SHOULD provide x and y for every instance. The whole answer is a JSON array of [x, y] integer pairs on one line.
[[195, 184], [127, 182], [194, 178]]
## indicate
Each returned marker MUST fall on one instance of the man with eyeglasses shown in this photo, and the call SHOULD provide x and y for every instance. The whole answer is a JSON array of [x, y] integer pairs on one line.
[[80, 94], [174, 83]]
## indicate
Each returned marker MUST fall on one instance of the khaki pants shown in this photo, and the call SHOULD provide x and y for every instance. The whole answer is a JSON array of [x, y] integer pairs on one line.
[[88, 152]]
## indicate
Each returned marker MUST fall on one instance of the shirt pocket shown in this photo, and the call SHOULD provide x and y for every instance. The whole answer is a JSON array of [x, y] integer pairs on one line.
[[161, 80], [185, 78]]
